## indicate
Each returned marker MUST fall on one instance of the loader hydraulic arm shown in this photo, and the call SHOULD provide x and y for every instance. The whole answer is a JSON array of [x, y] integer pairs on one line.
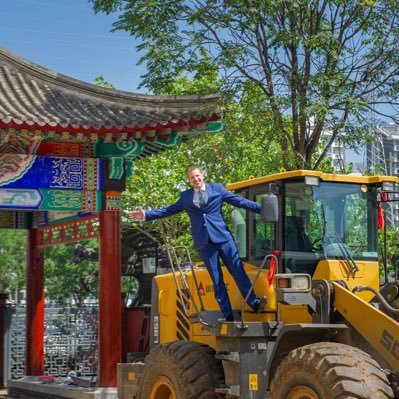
[[380, 330]]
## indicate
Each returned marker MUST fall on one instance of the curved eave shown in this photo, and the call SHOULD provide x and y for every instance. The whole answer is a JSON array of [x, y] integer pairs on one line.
[[35, 98], [292, 175], [192, 123], [46, 75]]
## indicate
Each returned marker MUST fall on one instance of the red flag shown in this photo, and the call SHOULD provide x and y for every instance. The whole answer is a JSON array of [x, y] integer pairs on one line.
[[380, 217], [272, 267]]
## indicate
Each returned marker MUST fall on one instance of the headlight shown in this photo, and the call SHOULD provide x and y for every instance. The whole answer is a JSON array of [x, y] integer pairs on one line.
[[312, 180], [301, 283], [293, 282]]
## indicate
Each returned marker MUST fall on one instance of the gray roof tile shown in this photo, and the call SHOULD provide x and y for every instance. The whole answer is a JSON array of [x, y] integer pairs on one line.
[[38, 98]]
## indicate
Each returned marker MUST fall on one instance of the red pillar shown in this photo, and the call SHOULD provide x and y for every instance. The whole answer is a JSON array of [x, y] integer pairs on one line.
[[110, 306], [34, 358]]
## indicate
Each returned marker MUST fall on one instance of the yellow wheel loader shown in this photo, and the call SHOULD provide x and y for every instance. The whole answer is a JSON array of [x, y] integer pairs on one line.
[[330, 327]]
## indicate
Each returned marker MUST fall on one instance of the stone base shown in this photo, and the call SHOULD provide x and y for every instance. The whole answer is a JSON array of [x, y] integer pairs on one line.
[[31, 388]]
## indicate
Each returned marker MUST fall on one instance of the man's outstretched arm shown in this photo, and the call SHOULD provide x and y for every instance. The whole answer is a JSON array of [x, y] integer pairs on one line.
[[239, 201], [160, 213]]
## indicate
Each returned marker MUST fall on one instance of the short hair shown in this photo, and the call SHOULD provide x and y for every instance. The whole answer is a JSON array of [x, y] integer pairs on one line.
[[194, 167]]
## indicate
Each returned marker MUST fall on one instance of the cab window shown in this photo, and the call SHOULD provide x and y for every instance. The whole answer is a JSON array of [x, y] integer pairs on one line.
[[264, 234], [238, 219]]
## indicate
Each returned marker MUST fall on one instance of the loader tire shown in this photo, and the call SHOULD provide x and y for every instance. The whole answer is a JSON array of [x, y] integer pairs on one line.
[[328, 370], [181, 370]]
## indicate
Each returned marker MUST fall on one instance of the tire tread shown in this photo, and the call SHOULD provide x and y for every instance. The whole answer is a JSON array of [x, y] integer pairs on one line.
[[346, 372], [191, 366]]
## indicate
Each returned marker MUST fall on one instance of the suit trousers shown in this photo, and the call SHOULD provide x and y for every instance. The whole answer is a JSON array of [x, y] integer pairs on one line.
[[228, 251]]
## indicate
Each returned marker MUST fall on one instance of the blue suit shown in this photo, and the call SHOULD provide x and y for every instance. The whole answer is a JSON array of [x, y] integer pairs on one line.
[[213, 239]]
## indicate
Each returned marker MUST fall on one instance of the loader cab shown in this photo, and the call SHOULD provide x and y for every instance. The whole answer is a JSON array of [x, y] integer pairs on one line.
[[327, 220], [321, 217]]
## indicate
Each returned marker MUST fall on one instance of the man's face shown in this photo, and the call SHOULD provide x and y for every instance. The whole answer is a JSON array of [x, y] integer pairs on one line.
[[196, 178]]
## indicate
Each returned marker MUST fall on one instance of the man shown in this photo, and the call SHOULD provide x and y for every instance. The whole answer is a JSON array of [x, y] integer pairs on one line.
[[212, 238]]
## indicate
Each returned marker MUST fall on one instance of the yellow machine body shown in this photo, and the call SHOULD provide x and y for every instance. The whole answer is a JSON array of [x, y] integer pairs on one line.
[[174, 323], [323, 300]]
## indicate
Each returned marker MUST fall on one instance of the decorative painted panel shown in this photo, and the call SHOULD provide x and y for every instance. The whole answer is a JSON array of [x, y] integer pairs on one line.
[[112, 200], [20, 199], [24, 142], [72, 231], [48, 218], [30, 171], [76, 144], [51, 200], [65, 149], [13, 220]]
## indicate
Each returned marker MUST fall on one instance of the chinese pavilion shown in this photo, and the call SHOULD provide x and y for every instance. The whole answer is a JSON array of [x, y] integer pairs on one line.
[[66, 150]]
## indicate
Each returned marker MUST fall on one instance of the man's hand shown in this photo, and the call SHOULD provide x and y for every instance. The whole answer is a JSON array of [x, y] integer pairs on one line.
[[137, 215]]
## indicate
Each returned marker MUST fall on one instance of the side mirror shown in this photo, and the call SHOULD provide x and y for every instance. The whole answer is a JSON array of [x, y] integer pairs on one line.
[[269, 208]]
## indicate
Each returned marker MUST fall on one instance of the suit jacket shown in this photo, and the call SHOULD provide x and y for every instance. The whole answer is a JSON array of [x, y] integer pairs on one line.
[[207, 223]]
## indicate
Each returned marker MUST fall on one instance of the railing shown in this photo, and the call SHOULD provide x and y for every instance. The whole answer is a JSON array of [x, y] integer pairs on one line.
[[70, 341]]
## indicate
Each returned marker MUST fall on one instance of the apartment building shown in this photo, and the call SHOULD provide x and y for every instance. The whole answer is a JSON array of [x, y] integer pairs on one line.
[[383, 154]]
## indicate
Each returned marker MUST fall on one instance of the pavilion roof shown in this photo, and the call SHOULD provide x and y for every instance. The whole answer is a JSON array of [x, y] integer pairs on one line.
[[35, 98]]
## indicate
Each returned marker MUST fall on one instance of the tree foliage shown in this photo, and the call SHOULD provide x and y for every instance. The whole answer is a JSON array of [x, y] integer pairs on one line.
[[317, 64], [100, 81], [392, 248], [13, 259], [238, 153], [66, 279]]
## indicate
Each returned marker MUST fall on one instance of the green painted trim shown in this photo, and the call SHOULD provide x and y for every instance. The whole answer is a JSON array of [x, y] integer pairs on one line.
[[128, 167], [99, 201], [215, 127], [62, 200], [173, 140], [115, 168], [131, 149], [177, 135], [50, 200], [209, 128], [122, 149]]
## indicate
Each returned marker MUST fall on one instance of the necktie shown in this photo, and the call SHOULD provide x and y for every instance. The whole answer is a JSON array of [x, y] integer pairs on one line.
[[201, 199]]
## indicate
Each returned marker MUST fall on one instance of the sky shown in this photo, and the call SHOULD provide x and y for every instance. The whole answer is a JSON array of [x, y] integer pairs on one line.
[[67, 37]]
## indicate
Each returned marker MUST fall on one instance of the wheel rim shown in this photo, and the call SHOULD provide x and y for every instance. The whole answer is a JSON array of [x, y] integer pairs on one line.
[[162, 388], [303, 392]]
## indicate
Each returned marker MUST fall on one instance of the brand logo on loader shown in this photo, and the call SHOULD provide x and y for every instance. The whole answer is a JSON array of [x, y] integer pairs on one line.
[[201, 289], [390, 343], [208, 288]]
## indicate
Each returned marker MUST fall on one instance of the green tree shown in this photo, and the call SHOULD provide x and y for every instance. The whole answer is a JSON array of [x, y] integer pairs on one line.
[[392, 248], [100, 81], [318, 64], [66, 279], [233, 155], [13, 259]]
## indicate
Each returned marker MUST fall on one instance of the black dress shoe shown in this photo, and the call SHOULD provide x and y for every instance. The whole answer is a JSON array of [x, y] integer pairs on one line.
[[260, 305]]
